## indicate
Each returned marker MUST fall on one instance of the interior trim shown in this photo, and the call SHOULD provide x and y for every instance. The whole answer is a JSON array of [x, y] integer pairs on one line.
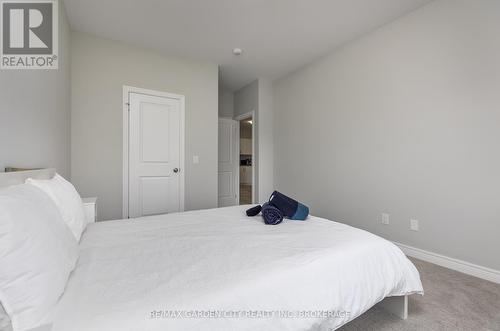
[[468, 268]]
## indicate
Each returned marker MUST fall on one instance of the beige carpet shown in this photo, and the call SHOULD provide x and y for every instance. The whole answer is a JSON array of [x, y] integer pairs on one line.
[[452, 301]]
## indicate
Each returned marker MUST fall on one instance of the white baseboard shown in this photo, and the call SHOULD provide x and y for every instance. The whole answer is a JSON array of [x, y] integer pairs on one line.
[[458, 265]]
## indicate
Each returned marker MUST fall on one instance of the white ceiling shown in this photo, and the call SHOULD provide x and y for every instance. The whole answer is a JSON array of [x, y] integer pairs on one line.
[[277, 36]]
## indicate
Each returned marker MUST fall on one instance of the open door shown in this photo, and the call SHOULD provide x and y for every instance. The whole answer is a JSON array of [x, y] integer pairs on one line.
[[229, 136]]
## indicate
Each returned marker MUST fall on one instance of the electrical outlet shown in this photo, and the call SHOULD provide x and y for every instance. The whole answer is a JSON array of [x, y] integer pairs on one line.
[[414, 225], [385, 218], [196, 159]]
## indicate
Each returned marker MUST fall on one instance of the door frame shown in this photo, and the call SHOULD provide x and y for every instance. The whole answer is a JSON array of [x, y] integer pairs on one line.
[[126, 128], [237, 161], [250, 114]]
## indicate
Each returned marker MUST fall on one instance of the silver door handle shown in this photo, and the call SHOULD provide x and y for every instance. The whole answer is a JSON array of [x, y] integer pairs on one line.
[[176, 170]]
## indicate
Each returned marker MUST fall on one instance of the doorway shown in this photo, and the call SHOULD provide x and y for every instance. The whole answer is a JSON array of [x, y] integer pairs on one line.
[[246, 158], [236, 174], [153, 163]]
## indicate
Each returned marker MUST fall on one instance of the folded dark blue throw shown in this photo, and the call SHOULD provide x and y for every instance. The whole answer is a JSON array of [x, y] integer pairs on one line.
[[279, 206], [271, 214], [291, 208], [254, 211]]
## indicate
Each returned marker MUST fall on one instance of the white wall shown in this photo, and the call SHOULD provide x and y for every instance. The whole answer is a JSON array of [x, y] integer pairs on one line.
[[265, 129], [35, 112], [100, 68], [226, 103], [246, 100], [407, 121], [258, 96]]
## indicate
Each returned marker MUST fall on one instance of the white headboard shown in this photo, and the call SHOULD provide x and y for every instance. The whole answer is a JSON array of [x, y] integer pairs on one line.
[[18, 177]]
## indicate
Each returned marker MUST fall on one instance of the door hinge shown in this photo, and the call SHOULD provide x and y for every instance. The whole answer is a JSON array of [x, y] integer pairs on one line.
[[128, 106]]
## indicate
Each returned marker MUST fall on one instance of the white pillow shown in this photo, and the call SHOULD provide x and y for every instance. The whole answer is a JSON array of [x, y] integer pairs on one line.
[[37, 254], [67, 200]]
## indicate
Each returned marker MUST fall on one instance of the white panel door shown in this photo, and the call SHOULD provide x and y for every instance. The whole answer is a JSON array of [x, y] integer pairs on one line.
[[154, 155], [229, 132]]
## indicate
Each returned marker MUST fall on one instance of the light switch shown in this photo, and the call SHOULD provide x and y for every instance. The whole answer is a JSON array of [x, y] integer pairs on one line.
[[385, 218], [414, 225], [196, 159]]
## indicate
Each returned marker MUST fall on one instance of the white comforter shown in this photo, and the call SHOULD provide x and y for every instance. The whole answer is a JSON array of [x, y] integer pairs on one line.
[[220, 270]]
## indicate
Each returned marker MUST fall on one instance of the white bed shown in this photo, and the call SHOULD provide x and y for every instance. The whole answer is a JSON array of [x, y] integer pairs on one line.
[[131, 274], [221, 260]]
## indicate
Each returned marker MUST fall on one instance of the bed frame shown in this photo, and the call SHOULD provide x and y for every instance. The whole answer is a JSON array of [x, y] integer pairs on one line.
[[397, 305], [19, 177]]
